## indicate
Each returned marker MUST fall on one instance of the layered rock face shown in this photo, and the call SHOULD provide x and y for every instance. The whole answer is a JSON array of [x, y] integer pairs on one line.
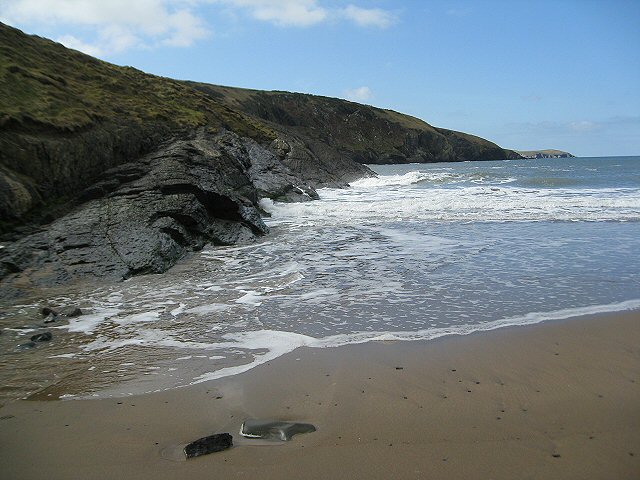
[[43, 168], [145, 215]]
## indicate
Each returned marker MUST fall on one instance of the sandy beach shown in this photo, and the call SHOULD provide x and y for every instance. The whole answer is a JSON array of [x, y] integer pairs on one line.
[[556, 400]]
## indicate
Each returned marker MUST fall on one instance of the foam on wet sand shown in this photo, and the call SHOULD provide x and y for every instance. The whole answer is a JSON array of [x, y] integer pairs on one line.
[[554, 400]]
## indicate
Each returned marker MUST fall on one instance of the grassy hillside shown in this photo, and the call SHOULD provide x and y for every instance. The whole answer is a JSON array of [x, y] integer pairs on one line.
[[44, 84], [364, 133]]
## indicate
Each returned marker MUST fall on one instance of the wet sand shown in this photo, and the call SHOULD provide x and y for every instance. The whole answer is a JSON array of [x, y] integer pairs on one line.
[[557, 400]]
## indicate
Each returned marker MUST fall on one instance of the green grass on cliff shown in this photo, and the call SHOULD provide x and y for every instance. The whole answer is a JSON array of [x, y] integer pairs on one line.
[[363, 132], [44, 84]]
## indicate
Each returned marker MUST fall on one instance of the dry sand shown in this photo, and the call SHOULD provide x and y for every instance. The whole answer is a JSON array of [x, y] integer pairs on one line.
[[552, 401]]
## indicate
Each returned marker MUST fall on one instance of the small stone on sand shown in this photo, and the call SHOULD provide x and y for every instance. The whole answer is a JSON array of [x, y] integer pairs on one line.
[[210, 444], [274, 430]]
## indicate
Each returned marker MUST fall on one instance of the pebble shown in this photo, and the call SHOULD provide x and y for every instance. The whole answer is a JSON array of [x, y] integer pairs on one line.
[[42, 337]]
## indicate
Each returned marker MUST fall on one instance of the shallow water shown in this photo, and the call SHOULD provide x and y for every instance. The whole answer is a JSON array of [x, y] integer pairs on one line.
[[422, 251]]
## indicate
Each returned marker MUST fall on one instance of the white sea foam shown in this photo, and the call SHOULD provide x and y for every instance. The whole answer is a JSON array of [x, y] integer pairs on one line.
[[102, 343], [89, 322], [63, 355], [408, 178], [22, 331], [138, 317], [466, 329], [274, 344], [177, 311], [146, 337], [252, 298], [206, 309], [278, 343], [477, 203]]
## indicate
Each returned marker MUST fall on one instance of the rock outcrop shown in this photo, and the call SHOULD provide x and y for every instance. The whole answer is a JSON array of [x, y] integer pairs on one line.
[[147, 214]]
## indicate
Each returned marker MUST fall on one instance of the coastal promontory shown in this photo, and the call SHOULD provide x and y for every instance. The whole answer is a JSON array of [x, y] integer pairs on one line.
[[106, 171]]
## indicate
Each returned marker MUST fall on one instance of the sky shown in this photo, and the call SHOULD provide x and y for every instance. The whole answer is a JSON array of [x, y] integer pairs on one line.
[[561, 74]]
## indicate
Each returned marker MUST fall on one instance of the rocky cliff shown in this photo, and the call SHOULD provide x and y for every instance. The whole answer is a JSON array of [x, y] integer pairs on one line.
[[106, 171], [365, 134], [147, 214]]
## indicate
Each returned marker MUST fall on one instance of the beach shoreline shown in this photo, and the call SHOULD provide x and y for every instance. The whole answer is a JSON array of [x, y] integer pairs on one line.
[[553, 400]]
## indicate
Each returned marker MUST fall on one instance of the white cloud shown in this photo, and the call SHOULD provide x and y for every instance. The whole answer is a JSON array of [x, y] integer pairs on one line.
[[369, 17], [115, 38], [116, 25], [185, 29], [73, 42], [304, 13], [360, 94], [109, 27], [297, 13], [583, 126]]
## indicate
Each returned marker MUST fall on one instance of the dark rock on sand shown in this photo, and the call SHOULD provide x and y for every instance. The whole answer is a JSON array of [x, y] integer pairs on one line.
[[274, 430], [210, 444], [46, 311], [42, 337], [26, 346], [51, 315], [70, 312]]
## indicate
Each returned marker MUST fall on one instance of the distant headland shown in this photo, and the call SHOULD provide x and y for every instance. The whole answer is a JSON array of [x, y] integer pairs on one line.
[[549, 153]]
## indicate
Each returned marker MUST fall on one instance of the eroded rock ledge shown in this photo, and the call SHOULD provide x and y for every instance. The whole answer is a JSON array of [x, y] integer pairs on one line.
[[143, 216]]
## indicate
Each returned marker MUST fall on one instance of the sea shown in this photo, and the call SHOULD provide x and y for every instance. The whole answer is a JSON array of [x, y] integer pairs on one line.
[[419, 252]]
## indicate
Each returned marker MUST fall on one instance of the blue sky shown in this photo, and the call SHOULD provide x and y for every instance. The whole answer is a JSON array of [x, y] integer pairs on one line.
[[525, 74]]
